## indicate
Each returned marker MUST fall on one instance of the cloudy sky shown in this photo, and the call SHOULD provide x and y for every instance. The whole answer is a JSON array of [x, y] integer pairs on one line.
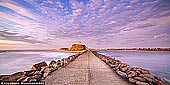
[[41, 24]]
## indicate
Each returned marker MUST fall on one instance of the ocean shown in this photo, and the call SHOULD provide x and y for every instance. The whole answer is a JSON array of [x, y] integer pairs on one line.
[[157, 62], [11, 62]]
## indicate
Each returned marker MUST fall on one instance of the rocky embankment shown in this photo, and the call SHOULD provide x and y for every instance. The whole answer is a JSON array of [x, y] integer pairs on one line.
[[135, 75], [40, 70]]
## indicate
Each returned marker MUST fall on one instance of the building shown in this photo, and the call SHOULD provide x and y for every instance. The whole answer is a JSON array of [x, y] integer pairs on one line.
[[78, 47]]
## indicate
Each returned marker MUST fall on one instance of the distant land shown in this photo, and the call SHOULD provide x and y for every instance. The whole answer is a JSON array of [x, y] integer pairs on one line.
[[144, 49], [66, 49]]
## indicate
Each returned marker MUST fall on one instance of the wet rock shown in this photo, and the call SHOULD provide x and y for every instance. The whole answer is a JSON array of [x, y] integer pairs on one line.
[[141, 83]]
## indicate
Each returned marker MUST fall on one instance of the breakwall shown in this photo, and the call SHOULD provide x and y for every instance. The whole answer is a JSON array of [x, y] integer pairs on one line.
[[135, 75], [40, 70]]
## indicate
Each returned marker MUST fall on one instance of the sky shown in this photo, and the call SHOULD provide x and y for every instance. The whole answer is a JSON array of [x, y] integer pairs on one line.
[[49, 24]]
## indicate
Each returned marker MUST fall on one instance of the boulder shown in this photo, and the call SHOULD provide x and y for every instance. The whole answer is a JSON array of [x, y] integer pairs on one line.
[[38, 66], [122, 74], [124, 69], [143, 71], [52, 63], [140, 79], [46, 71], [58, 63], [71, 58], [132, 80], [149, 76], [123, 65], [15, 76], [131, 74], [141, 83], [64, 61], [29, 79], [22, 78]]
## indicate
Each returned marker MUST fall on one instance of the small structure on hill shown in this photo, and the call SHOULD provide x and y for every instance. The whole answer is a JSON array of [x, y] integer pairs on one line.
[[78, 47], [38, 66]]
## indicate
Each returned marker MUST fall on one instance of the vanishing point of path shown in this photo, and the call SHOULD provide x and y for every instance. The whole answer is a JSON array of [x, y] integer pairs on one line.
[[87, 69]]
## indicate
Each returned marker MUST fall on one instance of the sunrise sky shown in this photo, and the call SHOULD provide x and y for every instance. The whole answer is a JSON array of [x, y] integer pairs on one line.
[[45, 24]]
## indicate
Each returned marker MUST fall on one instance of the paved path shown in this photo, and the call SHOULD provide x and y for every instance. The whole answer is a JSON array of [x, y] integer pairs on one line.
[[87, 69]]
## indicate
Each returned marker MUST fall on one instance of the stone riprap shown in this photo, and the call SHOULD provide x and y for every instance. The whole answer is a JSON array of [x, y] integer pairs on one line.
[[135, 75], [87, 69], [41, 73]]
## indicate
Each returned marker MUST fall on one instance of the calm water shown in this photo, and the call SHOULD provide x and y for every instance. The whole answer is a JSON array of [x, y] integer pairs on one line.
[[11, 62], [158, 62]]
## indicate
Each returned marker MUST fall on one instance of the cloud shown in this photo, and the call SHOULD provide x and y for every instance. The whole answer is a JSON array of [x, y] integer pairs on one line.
[[102, 22], [164, 35]]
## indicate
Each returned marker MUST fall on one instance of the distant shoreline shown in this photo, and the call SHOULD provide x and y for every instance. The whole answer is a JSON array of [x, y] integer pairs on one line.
[[58, 50]]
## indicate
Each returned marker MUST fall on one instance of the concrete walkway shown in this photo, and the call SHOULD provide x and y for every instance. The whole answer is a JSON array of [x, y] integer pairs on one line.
[[87, 69]]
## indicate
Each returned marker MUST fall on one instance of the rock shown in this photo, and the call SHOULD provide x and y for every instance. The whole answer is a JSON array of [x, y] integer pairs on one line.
[[22, 78], [52, 63], [129, 68], [38, 77], [117, 62], [4, 78], [123, 65], [29, 79], [131, 74], [132, 80], [15, 76], [38, 66], [124, 69], [37, 73], [110, 65], [153, 81], [140, 79], [163, 82], [58, 63], [138, 72], [46, 72], [122, 74], [144, 71], [141, 83], [64, 61], [111, 60], [149, 76], [70, 58]]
